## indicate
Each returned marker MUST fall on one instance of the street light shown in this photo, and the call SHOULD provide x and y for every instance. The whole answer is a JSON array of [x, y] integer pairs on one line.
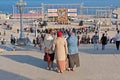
[[20, 5], [36, 26], [42, 12], [99, 27], [81, 10]]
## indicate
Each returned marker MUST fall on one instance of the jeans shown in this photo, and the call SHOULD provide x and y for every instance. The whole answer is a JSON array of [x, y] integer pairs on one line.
[[103, 46], [96, 46]]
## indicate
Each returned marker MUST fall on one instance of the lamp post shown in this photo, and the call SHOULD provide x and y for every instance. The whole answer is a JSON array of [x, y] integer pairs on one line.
[[36, 26], [99, 27], [42, 12], [20, 5], [22, 40], [81, 10]]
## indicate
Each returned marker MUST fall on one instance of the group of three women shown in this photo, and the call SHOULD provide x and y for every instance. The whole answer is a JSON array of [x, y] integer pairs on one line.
[[65, 51]]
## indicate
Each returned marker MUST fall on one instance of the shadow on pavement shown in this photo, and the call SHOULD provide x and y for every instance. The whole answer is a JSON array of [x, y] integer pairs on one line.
[[28, 60], [5, 75], [110, 49], [29, 48]]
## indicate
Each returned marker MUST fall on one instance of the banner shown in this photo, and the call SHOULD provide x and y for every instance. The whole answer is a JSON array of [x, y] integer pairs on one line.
[[72, 14], [72, 10], [62, 15], [52, 10], [52, 14]]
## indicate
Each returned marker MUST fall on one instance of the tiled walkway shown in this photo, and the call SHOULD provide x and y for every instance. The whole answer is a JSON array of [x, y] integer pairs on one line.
[[27, 64]]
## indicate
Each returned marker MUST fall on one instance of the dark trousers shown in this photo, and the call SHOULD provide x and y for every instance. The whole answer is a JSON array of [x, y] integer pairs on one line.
[[117, 44], [73, 60]]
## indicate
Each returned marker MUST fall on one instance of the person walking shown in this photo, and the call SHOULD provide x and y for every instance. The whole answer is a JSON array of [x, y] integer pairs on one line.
[[61, 51], [103, 41], [3, 42], [48, 41], [12, 39], [117, 37], [39, 41], [73, 57], [95, 40], [34, 42]]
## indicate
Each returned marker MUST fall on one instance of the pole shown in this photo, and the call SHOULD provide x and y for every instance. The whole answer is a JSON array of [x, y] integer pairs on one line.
[[36, 31], [21, 23], [22, 40], [21, 5], [36, 25], [42, 11], [81, 10]]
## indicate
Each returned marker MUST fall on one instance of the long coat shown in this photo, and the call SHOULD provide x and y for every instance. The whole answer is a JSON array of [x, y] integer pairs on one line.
[[60, 48], [104, 40]]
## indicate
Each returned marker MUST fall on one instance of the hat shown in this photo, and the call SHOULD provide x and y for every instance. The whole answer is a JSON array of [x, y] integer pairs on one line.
[[59, 34]]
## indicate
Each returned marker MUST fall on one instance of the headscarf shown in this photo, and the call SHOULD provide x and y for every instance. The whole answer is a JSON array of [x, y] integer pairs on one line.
[[59, 34], [70, 33]]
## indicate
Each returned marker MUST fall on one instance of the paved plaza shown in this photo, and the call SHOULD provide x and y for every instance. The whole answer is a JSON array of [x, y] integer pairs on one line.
[[27, 64]]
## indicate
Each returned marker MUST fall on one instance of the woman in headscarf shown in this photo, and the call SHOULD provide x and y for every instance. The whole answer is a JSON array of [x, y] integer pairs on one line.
[[61, 51], [73, 57]]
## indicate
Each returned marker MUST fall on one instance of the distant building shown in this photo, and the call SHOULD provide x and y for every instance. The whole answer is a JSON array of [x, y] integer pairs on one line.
[[4, 16]]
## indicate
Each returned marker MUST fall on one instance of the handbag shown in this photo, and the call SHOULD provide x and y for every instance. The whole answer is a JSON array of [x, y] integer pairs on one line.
[[46, 57]]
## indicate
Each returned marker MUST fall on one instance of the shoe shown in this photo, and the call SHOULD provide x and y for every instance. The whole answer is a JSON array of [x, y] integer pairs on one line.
[[51, 69], [68, 69], [58, 71], [72, 69], [61, 71]]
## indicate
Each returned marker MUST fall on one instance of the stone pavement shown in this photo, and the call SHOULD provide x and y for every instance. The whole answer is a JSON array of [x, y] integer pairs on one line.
[[27, 64]]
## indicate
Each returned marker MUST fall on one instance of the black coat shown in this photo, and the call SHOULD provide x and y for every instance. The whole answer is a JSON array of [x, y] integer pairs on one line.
[[104, 40]]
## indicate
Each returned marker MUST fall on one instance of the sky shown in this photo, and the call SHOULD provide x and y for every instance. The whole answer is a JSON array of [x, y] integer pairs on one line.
[[85, 2], [6, 5]]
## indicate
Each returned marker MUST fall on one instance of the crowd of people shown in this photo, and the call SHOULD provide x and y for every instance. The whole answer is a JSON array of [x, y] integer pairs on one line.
[[63, 46], [105, 39]]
